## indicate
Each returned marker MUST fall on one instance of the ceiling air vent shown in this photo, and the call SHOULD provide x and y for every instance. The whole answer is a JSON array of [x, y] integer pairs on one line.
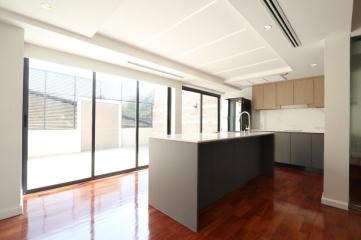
[[155, 69], [277, 13]]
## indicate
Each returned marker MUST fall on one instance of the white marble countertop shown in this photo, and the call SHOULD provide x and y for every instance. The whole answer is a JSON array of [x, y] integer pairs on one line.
[[211, 137]]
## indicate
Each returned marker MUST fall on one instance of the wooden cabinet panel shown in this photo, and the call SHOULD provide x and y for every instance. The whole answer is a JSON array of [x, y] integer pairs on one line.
[[282, 147], [269, 96], [303, 91], [319, 91], [284, 93], [301, 149], [317, 150], [257, 97]]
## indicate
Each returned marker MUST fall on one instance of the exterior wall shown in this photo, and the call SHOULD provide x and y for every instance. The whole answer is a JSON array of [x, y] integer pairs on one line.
[[109, 133], [11, 101]]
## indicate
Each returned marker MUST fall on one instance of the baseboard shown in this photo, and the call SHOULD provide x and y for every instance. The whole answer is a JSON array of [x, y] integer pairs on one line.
[[334, 203], [10, 212]]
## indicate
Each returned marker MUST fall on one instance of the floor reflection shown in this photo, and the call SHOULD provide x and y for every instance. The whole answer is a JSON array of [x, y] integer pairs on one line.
[[284, 207]]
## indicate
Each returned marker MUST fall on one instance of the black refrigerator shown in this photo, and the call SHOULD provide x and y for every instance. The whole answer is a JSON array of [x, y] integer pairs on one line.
[[235, 107]]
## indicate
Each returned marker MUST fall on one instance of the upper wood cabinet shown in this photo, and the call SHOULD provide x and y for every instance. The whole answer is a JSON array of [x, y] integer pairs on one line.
[[307, 91], [269, 96], [284, 93], [303, 91], [257, 97], [319, 91]]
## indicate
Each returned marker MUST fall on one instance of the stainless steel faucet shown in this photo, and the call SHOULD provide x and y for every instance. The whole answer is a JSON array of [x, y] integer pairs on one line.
[[248, 128]]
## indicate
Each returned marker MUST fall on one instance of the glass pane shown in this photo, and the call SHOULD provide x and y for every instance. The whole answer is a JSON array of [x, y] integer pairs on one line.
[[224, 115], [191, 112], [152, 116], [210, 114], [115, 124], [59, 132]]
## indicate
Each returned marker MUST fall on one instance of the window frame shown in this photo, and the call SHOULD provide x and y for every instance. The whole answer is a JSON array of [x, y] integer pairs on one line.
[[202, 92], [26, 68]]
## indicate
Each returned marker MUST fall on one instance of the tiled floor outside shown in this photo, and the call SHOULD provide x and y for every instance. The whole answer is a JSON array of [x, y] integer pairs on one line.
[[46, 171]]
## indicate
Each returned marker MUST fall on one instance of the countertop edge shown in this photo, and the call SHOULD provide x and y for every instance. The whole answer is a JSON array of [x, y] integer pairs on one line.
[[263, 133]]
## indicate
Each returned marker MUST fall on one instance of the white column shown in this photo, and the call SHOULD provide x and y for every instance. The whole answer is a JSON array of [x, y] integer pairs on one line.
[[337, 121], [11, 80]]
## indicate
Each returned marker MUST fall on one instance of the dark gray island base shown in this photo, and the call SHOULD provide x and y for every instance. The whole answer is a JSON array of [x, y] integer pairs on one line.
[[188, 173]]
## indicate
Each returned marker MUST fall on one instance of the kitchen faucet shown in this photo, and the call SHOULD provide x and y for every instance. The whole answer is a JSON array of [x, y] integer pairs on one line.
[[248, 128]]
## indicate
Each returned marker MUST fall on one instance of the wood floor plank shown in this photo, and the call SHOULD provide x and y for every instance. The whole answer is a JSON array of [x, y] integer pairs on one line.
[[286, 206]]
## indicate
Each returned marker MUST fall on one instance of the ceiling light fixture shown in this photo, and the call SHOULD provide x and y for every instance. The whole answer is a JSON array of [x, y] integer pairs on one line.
[[46, 6], [268, 27], [313, 65]]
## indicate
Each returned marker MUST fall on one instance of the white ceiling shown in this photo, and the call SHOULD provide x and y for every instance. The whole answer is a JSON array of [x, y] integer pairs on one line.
[[76, 16], [211, 43], [210, 35], [312, 20]]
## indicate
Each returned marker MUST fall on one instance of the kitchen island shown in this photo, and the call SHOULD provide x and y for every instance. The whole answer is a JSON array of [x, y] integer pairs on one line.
[[189, 172]]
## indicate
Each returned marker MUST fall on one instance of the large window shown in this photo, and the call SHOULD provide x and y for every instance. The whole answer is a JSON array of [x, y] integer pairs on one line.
[[200, 111], [80, 124], [59, 126]]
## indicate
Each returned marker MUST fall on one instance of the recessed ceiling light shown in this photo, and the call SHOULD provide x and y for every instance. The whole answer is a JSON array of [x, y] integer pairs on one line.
[[46, 6], [268, 27], [313, 65]]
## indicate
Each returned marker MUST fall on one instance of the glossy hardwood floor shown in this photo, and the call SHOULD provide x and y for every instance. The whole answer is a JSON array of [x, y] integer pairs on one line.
[[286, 206]]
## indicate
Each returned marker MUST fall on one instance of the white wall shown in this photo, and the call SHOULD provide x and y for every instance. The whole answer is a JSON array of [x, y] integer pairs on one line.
[[11, 78], [337, 125]]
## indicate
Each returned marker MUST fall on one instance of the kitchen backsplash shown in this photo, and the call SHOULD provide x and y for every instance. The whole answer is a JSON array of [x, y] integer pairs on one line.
[[287, 119]]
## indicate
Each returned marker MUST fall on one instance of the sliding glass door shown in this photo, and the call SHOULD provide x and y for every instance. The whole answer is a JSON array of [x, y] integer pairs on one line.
[[210, 114], [115, 124], [153, 116], [79, 125], [191, 112], [59, 123], [200, 111]]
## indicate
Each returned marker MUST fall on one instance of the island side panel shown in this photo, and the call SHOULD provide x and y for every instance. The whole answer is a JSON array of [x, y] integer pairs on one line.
[[224, 166], [173, 167], [267, 155]]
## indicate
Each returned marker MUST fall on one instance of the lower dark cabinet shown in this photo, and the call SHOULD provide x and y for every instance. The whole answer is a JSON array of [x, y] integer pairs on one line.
[[317, 151], [283, 147], [301, 149]]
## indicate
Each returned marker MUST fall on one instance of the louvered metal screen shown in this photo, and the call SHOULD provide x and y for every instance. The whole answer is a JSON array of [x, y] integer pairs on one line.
[[52, 100]]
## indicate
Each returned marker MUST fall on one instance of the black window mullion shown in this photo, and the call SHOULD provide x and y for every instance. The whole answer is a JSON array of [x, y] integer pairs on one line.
[[25, 125], [219, 114], [169, 111], [93, 125], [201, 113], [137, 127]]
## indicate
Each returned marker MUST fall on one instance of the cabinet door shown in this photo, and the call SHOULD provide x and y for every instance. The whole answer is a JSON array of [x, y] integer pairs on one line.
[[303, 91], [257, 97], [317, 150], [301, 149], [282, 147], [319, 91], [284, 93], [269, 96]]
